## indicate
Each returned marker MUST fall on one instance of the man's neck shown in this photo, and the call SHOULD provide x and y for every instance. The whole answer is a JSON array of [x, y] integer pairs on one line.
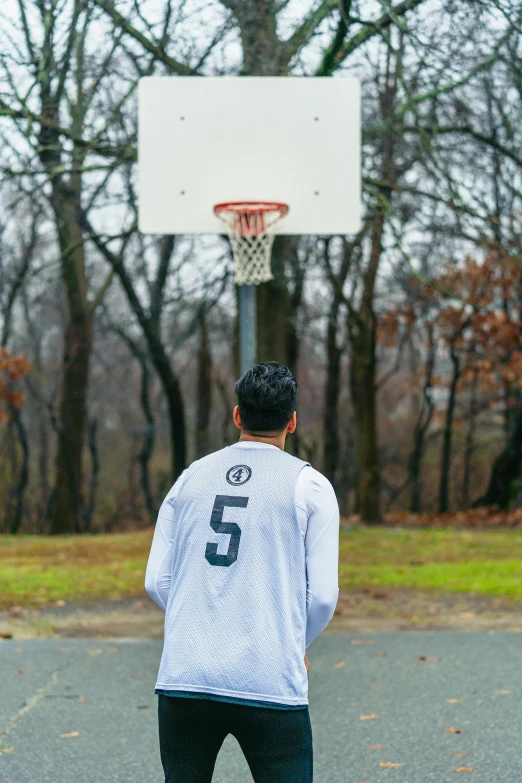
[[272, 440]]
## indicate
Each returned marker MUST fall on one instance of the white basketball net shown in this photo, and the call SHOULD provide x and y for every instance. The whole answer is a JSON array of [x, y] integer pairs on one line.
[[251, 238]]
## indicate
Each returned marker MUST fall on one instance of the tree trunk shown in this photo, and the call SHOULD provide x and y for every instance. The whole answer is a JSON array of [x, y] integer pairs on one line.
[[362, 324], [228, 406], [295, 298], [421, 428], [470, 442], [331, 396], [263, 53], [147, 446], [363, 391], [362, 328], [66, 505], [506, 467], [149, 436], [448, 432], [16, 501], [272, 309], [92, 430], [415, 464], [43, 466], [204, 393]]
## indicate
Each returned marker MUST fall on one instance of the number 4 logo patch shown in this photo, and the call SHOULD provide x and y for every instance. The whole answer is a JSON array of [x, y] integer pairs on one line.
[[238, 475]]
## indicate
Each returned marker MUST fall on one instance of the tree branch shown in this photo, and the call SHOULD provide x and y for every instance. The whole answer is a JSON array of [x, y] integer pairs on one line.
[[98, 299], [127, 153], [120, 21], [371, 29], [303, 34], [441, 90], [439, 130]]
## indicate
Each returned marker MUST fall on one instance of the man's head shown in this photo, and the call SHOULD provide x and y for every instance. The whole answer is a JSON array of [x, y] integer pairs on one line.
[[266, 396]]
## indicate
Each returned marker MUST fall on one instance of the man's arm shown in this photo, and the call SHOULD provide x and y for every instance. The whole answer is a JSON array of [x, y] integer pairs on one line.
[[316, 499], [158, 573]]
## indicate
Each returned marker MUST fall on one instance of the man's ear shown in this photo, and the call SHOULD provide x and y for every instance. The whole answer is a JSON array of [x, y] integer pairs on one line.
[[237, 418], [292, 424]]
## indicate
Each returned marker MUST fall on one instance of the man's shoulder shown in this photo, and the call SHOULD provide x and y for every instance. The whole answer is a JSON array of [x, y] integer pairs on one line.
[[311, 482], [208, 458], [193, 468]]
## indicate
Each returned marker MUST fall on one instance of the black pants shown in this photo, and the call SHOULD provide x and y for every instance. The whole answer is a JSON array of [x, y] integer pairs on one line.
[[277, 744]]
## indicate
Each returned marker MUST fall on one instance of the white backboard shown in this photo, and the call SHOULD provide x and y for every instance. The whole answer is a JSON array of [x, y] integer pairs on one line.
[[209, 140]]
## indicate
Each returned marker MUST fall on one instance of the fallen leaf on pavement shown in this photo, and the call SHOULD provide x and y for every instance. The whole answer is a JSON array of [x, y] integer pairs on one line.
[[460, 755], [451, 730], [504, 693], [20, 671], [70, 734], [94, 652], [339, 665], [5, 749], [454, 701], [374, 747], [464, 769], [388, 764], [18, 649], [368, 717], [82, 699], [372, 687], [428, 658]]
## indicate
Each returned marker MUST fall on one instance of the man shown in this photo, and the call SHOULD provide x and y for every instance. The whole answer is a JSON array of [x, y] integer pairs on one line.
[[244, 562]]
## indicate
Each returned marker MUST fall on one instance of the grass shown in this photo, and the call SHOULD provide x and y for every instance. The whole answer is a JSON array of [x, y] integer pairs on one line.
[[485, 562], [36, 571]]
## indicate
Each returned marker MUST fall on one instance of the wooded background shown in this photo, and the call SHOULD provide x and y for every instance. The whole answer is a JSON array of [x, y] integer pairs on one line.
[[119, 351]]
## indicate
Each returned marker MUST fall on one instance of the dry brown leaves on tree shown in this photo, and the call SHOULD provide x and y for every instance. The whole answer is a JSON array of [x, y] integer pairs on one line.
[[12, 368]]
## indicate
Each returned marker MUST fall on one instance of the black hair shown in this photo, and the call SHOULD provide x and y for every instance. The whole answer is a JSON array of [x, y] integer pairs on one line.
[[266, 397]]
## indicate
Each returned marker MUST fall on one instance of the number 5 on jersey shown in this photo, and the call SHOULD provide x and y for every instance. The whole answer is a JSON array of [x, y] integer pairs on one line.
[[217, 524]]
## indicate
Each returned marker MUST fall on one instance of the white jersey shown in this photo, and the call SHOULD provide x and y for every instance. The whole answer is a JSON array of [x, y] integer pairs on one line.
[[231, 567]]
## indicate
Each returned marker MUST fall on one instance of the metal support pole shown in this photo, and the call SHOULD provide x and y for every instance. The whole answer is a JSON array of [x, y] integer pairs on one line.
[[247, 327]]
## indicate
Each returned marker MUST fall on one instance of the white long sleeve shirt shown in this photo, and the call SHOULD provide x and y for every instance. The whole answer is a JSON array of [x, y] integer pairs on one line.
[[318, 515]]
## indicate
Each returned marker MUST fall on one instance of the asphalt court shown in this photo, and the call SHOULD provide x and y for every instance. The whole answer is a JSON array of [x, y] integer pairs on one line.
[[413, 707]]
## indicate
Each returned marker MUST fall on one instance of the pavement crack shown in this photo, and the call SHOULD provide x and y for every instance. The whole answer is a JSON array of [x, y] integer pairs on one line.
[[32, 701]]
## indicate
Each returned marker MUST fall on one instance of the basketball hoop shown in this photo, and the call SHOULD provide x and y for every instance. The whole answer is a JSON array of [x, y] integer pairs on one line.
[[249, 226]]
